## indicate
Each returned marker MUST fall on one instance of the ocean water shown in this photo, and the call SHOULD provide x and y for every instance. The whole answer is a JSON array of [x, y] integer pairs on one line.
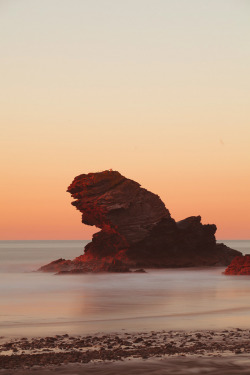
[[33, 303]]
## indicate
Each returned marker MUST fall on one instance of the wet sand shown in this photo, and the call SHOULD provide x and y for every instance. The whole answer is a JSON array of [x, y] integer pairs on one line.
[[171, 366], [154, 352]]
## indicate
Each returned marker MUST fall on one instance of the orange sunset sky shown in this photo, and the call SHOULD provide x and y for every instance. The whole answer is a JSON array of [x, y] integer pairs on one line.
[[156, 89]]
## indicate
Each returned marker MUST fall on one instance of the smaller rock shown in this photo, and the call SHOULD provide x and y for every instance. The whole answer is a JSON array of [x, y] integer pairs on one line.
[[240, 265]]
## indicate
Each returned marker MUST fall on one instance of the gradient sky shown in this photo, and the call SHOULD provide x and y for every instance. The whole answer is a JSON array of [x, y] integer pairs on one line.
[[156, 89]]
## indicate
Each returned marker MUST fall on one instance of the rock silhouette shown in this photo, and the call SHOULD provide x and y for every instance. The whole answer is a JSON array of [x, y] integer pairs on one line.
[[136, 230]]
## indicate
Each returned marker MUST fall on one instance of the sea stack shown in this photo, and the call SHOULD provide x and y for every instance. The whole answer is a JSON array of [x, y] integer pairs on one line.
[[137, 230]]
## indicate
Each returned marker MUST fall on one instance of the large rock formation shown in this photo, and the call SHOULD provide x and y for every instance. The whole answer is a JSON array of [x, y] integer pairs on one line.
[[136, 230], [240, 265]]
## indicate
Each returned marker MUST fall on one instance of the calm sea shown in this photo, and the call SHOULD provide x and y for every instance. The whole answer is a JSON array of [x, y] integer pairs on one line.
[[34, 303]]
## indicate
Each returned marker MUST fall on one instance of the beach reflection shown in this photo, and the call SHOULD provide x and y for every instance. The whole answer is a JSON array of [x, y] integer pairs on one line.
[[40, 304], [168, 299]]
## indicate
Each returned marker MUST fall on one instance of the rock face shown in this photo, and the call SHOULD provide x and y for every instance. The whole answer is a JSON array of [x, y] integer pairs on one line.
[[240, 265], [136, 230]]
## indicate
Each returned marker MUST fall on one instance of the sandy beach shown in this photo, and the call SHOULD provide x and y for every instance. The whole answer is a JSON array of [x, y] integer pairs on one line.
[[157, 352]]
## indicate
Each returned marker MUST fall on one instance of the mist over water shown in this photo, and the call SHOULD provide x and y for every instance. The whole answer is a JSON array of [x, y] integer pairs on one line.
[[34, 303]]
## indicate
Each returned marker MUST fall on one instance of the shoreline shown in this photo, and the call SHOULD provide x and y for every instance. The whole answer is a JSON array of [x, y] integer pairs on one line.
[[64, 350]]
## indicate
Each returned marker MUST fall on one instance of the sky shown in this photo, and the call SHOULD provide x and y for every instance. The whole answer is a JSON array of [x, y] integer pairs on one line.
[[156, 89]]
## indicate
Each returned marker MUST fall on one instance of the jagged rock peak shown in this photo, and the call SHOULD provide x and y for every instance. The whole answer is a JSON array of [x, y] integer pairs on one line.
[[109, 201]]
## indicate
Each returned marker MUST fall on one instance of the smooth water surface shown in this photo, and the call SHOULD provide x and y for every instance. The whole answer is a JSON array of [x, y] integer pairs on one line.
[[34, 303]]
